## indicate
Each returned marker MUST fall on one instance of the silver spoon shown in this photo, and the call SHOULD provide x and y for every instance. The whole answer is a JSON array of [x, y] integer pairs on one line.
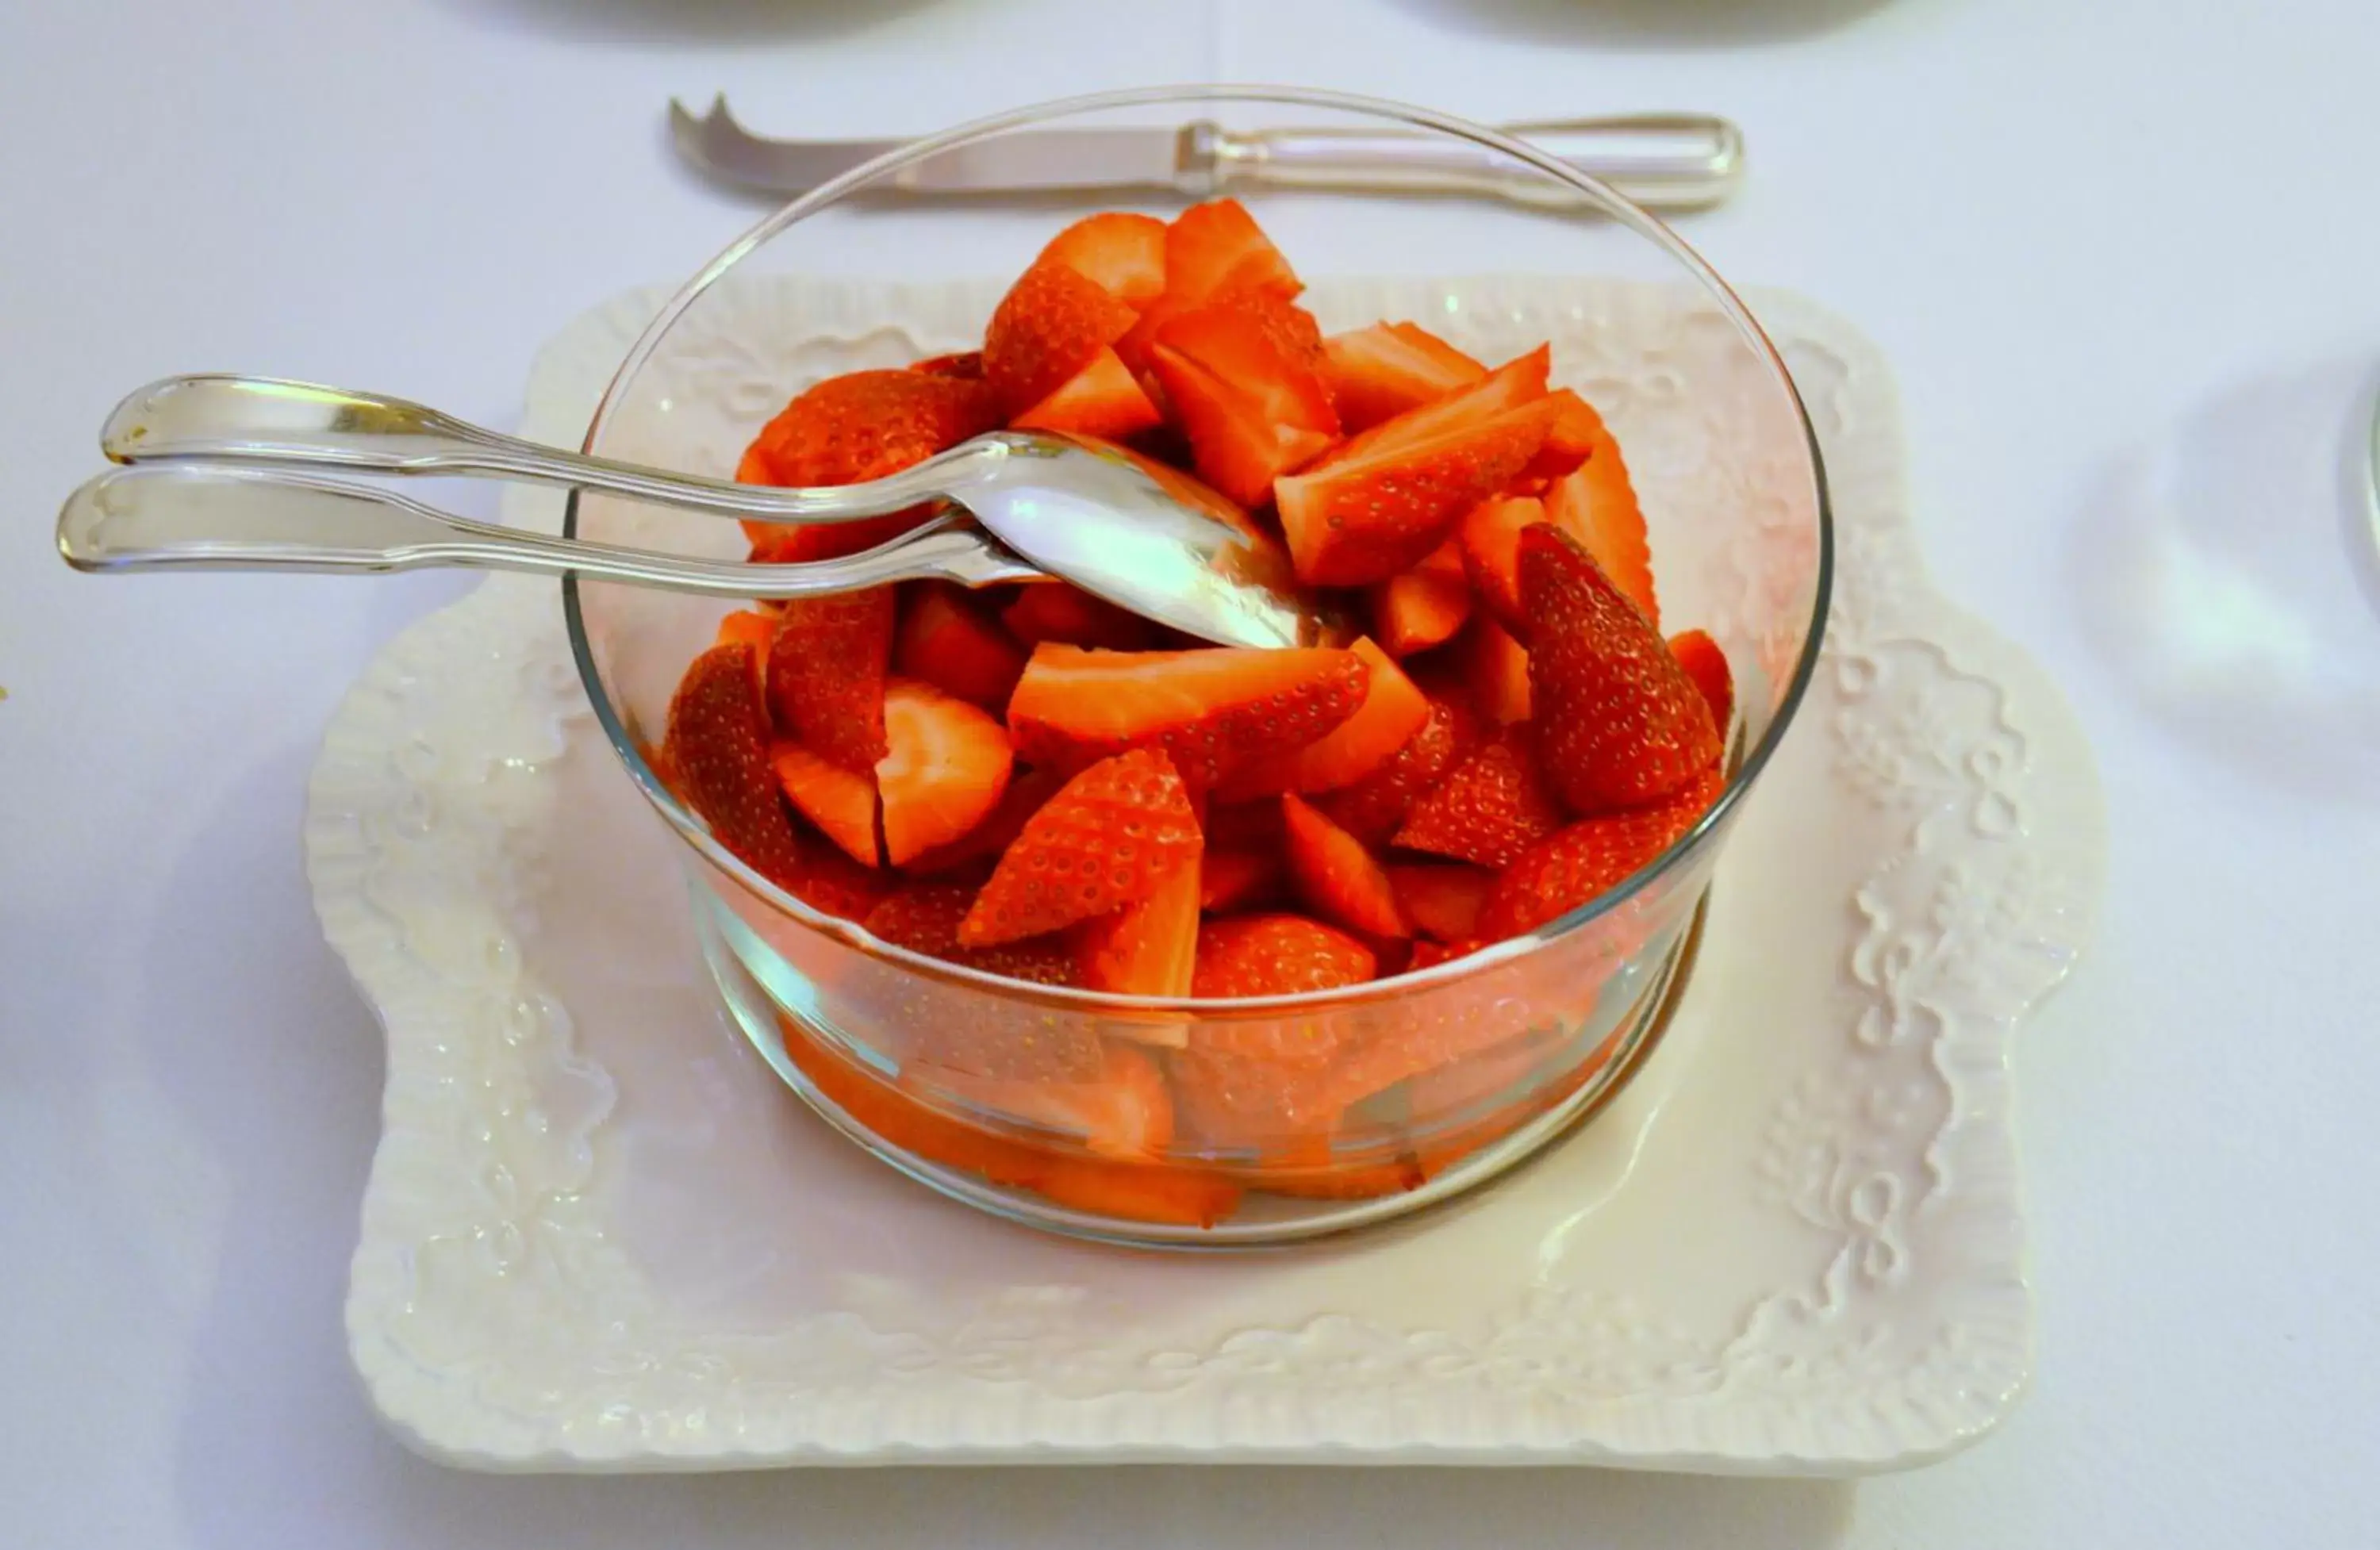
[[212, 489]]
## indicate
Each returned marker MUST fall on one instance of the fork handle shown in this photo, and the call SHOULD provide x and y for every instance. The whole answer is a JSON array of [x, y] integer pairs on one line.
[[181, 517], [1673, 161], [223, 418]]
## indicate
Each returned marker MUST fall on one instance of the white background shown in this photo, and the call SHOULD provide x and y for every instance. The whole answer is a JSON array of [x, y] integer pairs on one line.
[[2126, 255]]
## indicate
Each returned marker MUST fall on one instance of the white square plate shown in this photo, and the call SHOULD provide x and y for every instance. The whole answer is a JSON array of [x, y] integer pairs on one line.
[[599, 1236]]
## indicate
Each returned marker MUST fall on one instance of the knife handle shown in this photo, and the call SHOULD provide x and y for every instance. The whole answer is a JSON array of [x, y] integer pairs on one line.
[[1667, 161]]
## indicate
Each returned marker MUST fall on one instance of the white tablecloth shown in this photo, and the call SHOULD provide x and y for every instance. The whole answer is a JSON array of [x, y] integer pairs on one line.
[[2127, 256]]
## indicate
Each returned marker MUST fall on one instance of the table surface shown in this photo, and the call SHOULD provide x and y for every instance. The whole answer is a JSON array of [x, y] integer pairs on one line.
[[2123, 254]]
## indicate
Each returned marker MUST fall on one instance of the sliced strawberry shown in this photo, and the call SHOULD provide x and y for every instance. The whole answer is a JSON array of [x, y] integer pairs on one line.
[[1217, 246], [1234, 879], [1112, 836], [1047, 328], [1496, 670], [1577, 864], [1172, 1194], [1488, 809], [1134, 348], [1237, 450], [1057, 610], [946, 640], [1379, 372], [752, 626], [1263, 1084], [1442, 901], [1426, 606], [1490, 539], [1123, 1112], [1706, 665], [717, 747], [1619, 723], [827, 670], [1393, 711], [1214, 710], [831, 882], [1571, 441], [860, 425], [966, 365], [1273, 955], [1264, 348], [1518, 382], [1429, 955], [1148, 948], [841, 803], [1027, 789], [1243, 825], [1374, 807], [1363, 519], [1103, 399], [1123, 253], [945, 771], [1597, 505], [1337, 878], [926, 918]]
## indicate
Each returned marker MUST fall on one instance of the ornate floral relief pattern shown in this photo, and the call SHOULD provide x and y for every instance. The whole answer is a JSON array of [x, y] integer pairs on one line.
[[518, 1333]]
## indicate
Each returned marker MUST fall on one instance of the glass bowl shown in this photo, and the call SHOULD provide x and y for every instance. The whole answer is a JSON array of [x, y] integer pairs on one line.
[[1408, 1089]]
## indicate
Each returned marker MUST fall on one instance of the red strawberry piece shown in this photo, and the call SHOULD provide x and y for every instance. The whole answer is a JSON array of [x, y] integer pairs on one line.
[[1379, 372], [1217, 246], [717, 747], [1215, 710], [926, 917], [1123, 1112], [1103, 399], [847, 429], [754, 627], [966, 365], [1243, 825], [1578, 863], [1429, 955], [1112, 836], [827, 670], [1134, 348], [1435, 1035], [1234, 879], [945, 639], [1491, 541], [1266, 349], [1336, 878], [1519, 382], [1236, 449], [1572, 437], [1263, 1084], [1426, 606], [1442, 901], [1374, 807], [974, 851], [1361, 520], [1597, 505], [841, 803], [1496, 670], [1392, 713], [1048, 327], [1488, 809], [1123, 253], [1147, 948], [944, 772], [832, 883], [1706, 665], [1047, 611], [1619, 723]]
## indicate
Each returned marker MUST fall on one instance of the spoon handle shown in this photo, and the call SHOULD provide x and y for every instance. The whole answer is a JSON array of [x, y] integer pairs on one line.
[[183, 517], [262, 421]]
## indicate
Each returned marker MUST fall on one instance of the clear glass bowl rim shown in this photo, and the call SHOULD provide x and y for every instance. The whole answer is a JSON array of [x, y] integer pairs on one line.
[[1609, 202]]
